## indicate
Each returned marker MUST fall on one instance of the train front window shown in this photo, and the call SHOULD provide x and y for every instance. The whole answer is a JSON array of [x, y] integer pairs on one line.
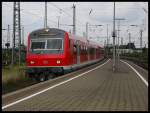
[[38, 45], [47, 46], [54, 44]]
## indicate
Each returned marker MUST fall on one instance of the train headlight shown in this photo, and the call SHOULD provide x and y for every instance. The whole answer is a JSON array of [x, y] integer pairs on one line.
[[32, 62], [58, 61]]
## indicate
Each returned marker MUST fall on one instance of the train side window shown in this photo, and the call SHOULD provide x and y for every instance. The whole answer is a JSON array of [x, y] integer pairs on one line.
[[75, 48], [79, 48], [86, 49]]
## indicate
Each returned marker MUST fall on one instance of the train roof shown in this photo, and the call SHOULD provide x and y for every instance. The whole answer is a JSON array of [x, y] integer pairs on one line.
[[52, 32], [75, 37], [94, 43], [83, 39], [48, 30]]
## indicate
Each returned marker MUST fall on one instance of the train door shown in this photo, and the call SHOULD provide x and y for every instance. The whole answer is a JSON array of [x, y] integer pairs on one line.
[[88, 53], [75, 53], [94, 53]]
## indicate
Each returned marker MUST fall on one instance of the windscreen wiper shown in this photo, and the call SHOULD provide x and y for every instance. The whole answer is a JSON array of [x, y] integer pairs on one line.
[[59, 49]]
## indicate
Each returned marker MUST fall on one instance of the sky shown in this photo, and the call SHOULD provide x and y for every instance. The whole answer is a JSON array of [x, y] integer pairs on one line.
[[95, 13]]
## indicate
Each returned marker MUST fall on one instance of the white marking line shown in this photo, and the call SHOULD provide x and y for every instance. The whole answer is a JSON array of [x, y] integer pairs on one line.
[[13, 103], [139, 67], [136, 73]]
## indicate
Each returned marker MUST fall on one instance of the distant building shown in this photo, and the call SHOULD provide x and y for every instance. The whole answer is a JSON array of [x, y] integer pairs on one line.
[[129, 48]]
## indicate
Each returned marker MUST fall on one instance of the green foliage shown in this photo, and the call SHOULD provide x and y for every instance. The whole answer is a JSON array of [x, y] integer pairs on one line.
[[13, 78], [139, 58], [13, 73], [7, 56]]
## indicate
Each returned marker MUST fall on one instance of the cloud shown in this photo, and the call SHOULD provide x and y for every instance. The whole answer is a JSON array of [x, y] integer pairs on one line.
[[32, 17]]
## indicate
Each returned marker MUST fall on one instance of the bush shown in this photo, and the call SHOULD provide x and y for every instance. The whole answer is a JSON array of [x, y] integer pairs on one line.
[[13, 73]]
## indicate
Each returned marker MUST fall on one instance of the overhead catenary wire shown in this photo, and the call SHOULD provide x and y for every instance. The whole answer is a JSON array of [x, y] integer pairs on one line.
[[66, 12], [37, 15], [69, 15], [27, 12], [60, 9], [40, 16]]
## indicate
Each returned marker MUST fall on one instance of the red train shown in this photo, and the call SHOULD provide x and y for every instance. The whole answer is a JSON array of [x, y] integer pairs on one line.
[[52, 52]]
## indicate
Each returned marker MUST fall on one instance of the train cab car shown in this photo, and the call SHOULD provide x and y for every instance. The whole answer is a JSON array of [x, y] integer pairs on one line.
[[52, 52]]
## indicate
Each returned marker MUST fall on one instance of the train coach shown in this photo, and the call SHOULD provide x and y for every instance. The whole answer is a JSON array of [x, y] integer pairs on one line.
[[52, 52]]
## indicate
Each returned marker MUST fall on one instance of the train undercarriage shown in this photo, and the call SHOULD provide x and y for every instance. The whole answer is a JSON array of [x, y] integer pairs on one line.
[[41, 74]]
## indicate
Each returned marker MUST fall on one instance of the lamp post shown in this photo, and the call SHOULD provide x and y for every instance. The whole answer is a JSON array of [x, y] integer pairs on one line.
[[129, 34], [45, 19], [119, 19], [114, 35], [141, 31]]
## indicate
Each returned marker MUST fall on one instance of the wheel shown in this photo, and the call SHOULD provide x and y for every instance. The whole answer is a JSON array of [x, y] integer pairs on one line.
[[41, 78]]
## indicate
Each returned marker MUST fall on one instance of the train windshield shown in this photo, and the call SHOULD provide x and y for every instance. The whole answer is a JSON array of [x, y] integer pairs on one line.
[[38, 45], [54, 44], [47, 46]]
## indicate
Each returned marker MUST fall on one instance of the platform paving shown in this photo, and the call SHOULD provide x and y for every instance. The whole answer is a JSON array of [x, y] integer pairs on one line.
[[98, 90]]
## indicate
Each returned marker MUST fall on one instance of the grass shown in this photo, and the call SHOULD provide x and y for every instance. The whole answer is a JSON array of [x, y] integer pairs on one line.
[[143, 62], [13, 78], [13, 73]]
